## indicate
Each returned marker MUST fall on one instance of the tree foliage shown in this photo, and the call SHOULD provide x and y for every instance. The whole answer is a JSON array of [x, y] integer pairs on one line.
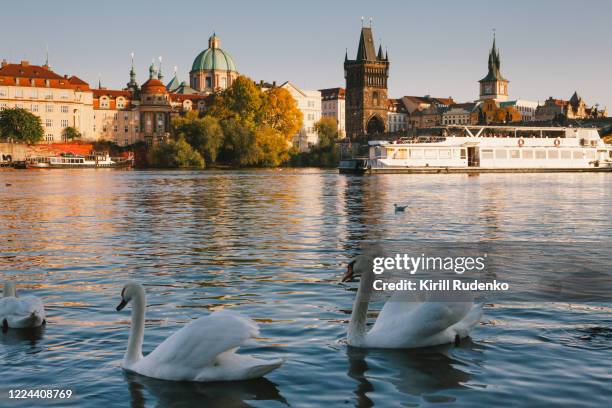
[[175, 154], [19, 125], [325, 153], [71, 133], [205, 134]]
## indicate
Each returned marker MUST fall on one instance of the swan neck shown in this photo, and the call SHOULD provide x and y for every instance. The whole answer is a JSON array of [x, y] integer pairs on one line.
[[9, 290], [357, 326], [134, 350]]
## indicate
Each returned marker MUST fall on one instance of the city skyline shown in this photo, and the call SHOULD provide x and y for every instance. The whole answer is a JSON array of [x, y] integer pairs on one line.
[[547, 49]]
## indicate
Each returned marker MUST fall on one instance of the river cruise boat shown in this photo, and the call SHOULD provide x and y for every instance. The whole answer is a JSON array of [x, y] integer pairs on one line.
[[94, 160], [479, 149]]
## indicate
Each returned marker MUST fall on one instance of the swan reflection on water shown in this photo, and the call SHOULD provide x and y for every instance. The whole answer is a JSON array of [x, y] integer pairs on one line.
[[12, 337], [178, 394], [423, 373]]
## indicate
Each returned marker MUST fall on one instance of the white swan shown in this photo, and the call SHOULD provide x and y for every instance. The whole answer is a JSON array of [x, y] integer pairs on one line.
[[203, 350], [20, 312], [406, 324]]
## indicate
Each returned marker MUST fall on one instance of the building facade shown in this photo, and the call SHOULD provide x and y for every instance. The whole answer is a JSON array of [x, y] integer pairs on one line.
[[366, 89], [59, 101], [213, 69], [461, 114], [574, 108], [333, 106], [397, 115], [494, 85], [527, 109], [309, 103]]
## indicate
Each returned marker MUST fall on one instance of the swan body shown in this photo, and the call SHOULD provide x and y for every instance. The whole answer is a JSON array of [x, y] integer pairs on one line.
[[406, 321], [203, 350], [20, 312]]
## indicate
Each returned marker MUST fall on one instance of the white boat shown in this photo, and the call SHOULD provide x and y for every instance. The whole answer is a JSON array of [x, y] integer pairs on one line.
[[466, 149], [93, 160]]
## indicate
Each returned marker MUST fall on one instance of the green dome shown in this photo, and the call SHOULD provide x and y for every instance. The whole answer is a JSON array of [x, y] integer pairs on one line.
[[213, 59]]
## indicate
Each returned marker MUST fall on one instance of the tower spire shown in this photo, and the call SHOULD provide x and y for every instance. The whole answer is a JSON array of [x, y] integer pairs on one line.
[[160, 76], [47, 56]]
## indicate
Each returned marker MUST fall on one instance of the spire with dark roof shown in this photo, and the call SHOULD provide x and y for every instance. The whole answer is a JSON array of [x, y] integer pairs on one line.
[[380, 54], [366, 50], [132, 84], [160, 76], [494, 64]]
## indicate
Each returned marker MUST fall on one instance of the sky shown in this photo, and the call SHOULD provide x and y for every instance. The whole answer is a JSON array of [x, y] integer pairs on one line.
[[548, 48]]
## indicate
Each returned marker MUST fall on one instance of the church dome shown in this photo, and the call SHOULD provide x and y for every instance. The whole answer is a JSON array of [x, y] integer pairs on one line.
[[153, 86], [214, 58]]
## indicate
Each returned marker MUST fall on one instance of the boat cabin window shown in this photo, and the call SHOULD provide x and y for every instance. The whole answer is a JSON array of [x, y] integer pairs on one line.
[[515, 154], [463, 154], [486, 154], [416, 153], [590, 154], [401, 154], [445, 153], [566, 154], [577, 154], [431, 153], [527, 154], [501, 154], [553, 154], [540, 154]]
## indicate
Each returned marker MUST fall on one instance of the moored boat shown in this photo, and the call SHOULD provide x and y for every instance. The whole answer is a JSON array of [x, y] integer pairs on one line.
[[68, 160], [474, 149]]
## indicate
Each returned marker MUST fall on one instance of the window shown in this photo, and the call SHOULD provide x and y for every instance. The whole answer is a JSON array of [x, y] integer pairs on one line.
[[18, 93], [553, 154], [445, 153], [2, 91], [590, 154], [577, 154], [401, 154], [120, 103], [515, 154], [431, 153], [463, 154], [125, 128], [104, 102], [416, 153], [49, 108], [34, 107], [566, 154], [48, 137], [48, 95], [114, 128], [49, 123], [64, 123], [64, 109], [125, 116], [64, 95], [540, 154], [527, 154], [208, 82], [115, 116], [501, 154], [486, 154]]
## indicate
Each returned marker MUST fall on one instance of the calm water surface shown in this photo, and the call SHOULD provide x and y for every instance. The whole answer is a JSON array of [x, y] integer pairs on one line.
[[273, 245]]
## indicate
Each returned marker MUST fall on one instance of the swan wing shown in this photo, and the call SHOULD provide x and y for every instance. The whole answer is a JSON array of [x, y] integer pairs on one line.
[[197, 345], [27, 311], [407, 324]]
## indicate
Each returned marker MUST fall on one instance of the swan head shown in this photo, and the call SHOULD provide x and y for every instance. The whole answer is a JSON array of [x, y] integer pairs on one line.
[[360, 267], [129, 291]]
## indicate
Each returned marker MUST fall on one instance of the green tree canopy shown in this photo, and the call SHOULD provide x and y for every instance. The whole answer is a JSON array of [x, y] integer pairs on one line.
[[204, 134], [175, 154], [19, 125], [327, 130], [71, 133]]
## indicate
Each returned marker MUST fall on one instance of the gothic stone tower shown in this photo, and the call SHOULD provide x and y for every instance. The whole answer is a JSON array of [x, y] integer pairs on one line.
[[366, 89], [494, 85]]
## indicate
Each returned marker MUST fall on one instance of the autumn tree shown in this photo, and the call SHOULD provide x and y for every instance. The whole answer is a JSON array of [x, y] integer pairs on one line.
[[281, 112], [19, 125]]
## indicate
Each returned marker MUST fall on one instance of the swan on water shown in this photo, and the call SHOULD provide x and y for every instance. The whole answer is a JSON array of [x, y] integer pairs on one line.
[[20, 312], [406, 321], [203, 350]]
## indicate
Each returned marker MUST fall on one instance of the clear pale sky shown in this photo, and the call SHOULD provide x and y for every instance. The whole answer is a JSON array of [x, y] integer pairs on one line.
[[548, 48]]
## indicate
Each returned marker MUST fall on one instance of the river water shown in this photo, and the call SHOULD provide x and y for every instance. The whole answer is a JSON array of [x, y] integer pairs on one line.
[[273, 245]]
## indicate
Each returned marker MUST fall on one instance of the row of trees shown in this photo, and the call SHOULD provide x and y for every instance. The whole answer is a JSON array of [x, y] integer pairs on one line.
[[20, 126]]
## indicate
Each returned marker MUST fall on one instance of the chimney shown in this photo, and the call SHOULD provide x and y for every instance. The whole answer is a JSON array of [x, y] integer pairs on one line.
[[4, 63], [274, 84], [24, 63], [261, 83]]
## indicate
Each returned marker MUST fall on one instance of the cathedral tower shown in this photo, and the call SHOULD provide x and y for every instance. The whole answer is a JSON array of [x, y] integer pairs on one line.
[[366, 89], [494, 85]]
